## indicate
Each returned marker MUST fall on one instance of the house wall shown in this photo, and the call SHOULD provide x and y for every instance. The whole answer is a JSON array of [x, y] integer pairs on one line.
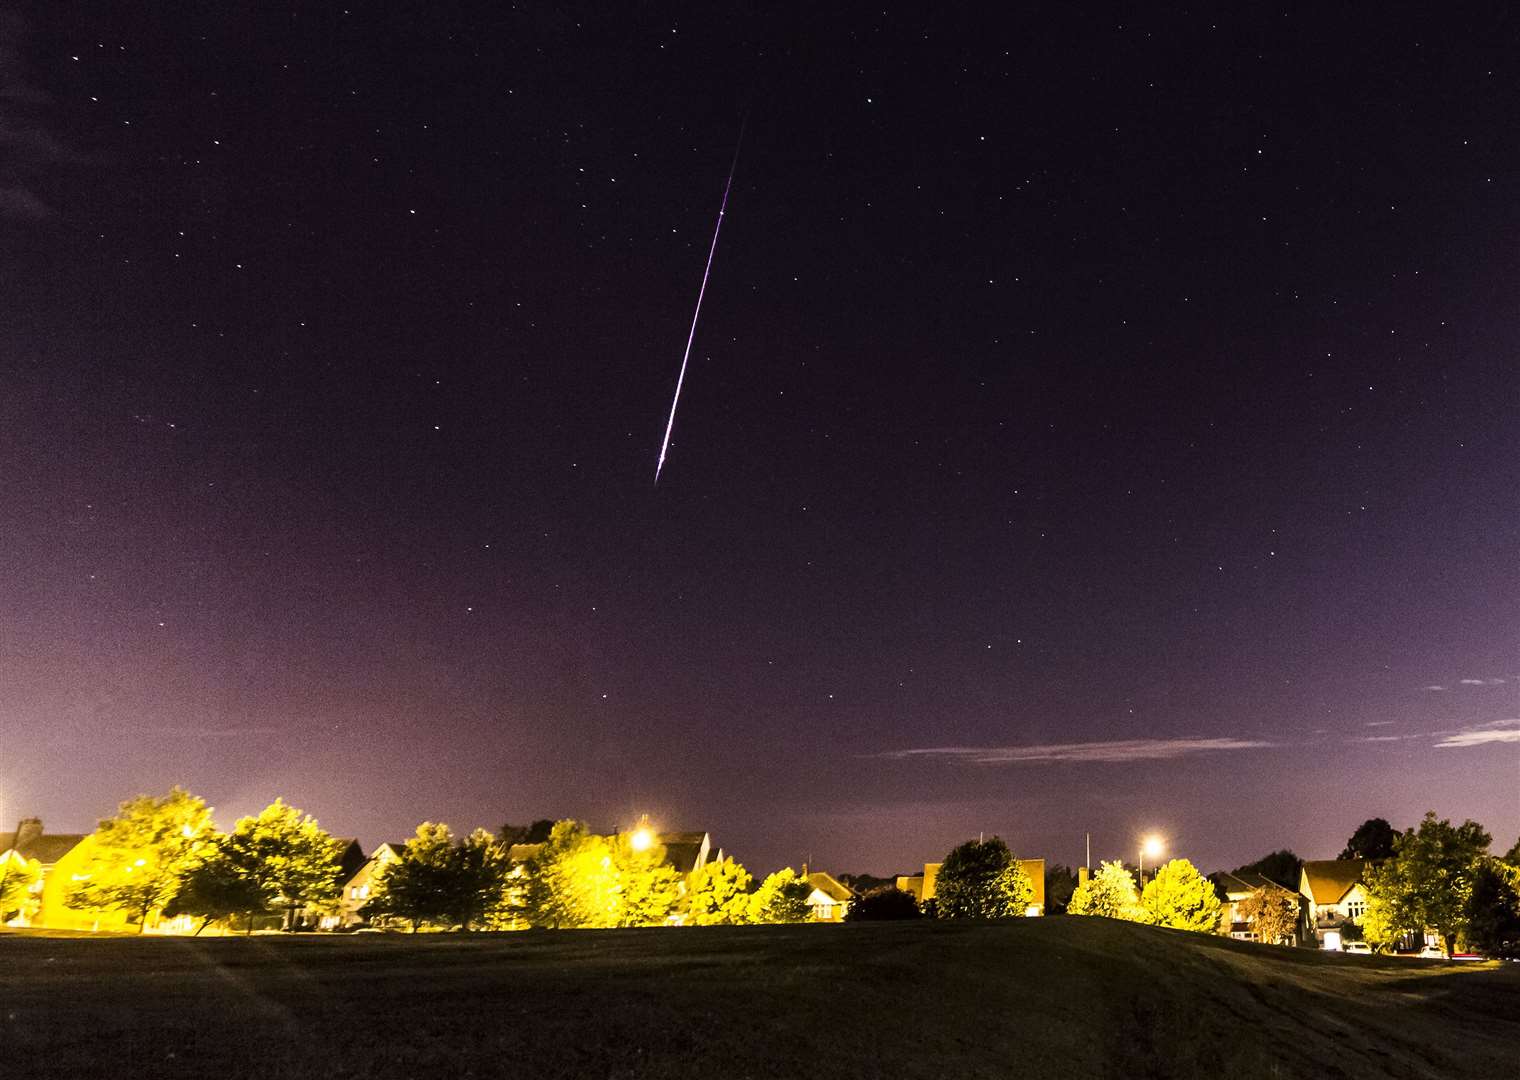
[[61, 879]]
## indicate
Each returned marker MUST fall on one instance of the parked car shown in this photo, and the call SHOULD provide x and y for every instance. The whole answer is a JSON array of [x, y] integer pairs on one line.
[[1361, 948], [1431, 952]]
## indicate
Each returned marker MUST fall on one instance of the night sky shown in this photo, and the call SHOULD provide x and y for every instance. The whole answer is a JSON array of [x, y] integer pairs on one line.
[[1097, 422]]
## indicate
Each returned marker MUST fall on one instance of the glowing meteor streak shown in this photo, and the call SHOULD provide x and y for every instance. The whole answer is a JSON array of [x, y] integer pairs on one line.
[[695, 315]]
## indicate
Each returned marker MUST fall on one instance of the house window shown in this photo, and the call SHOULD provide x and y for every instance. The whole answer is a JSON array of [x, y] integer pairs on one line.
[[1356, 909]]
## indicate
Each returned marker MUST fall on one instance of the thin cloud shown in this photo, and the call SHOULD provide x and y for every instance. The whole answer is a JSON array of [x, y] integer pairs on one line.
[[1435, 688], [1482, 682], [1107, 752], [1497, 731], [1377, 723]]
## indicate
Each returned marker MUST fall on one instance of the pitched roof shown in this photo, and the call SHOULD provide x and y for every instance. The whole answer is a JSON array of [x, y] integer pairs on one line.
[[46, 849], [519, 853], [830, 887], [1247, 882], [683, 849], [1326, 881]]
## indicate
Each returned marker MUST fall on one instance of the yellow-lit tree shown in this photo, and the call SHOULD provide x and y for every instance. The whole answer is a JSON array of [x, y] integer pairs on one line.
[[578, 879], [19, 878], [1182, 898], [287, 856], [139, 857], [981, 879], [718, 894], [1109, 893], [781, 898]]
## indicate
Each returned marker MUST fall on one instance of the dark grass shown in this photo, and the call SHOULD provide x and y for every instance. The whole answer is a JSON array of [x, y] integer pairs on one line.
[[1029, 998]]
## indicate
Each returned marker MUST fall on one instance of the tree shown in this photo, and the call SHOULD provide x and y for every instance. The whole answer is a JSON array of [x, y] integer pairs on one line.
[[475, 882], [1429, 881], [1373, 839], [981, 879], [781, 898], [289, 856], [1060, 883], [1386, 921], [1109, 893], [218, 887], [138, 857], [578, 879], [718, 894], [650, 888], [1271, 912], [1281, 867], [19, 876], [1493, 917], [883, 904], [1182, 898], [1512, 856], [441, 882]]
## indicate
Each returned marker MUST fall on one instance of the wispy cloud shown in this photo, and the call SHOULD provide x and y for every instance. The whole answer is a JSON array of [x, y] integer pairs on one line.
[[1435, 688], [29, 149], [1377, 723], [1387, 738], [1115, 750], [1498, 731], [1481, 682]]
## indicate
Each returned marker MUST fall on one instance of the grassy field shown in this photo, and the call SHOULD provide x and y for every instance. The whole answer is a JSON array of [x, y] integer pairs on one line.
[[1038, 998]]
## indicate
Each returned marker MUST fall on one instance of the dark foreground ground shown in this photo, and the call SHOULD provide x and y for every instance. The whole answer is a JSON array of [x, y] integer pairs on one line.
[[1052, 997]]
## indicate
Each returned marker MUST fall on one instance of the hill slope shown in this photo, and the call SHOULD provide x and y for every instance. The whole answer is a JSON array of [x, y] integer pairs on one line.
[[1036, 997]]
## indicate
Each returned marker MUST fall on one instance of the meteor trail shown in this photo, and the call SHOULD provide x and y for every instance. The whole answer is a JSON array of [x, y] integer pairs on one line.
[[686, 356]]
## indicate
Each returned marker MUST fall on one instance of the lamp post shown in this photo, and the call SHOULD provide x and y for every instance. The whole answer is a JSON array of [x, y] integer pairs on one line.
[[1153, 847]]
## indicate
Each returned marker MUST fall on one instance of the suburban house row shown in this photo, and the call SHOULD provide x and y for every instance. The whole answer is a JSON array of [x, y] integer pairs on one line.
[[1332, 894], [62, 860]]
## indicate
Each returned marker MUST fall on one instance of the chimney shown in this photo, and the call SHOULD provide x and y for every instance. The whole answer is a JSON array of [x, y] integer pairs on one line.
[[28, 832]]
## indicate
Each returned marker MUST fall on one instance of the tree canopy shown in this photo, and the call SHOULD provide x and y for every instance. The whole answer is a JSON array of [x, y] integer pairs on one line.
[[1109, 893], [882, 905], [289, 857], [1493, 918], [981, 879], [1373, 839], [138, 857], [18, 876], [439, 881], [1281, 867], [781, 898], [1182, 898], [1428, 883], [1060, 883], [1271, 912], [578, 879], [718, 894]]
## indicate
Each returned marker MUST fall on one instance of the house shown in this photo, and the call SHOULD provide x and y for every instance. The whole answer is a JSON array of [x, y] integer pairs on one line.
[[830, 898], [688, 852], [63, 860], [1335, 900], [922, 885], [29, 850], [1238, 887], [359, 887]]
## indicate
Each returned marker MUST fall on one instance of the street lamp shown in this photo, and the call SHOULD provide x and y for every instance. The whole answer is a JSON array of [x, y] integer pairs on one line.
[[1152, 845], [642, 838]]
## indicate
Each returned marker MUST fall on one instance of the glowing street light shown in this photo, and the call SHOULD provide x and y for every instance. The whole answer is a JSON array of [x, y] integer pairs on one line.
[[642, 838], [1151, 846]]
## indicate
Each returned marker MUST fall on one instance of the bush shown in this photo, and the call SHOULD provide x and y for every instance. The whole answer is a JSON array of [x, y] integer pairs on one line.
[[883, 904]]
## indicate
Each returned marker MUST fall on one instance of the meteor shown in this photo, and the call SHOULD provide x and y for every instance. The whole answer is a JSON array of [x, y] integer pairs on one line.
[[695, 315]]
